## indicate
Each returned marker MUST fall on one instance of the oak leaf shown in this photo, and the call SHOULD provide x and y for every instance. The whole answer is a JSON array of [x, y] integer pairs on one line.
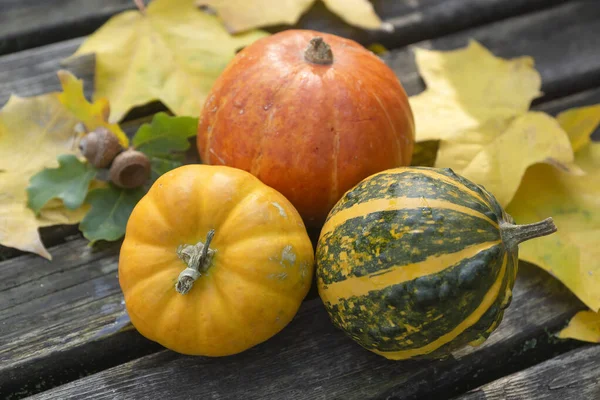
[[69, 182], [172, 52], [164, 141], [241, 15], [572, 254], [476, 105], [109, 213]]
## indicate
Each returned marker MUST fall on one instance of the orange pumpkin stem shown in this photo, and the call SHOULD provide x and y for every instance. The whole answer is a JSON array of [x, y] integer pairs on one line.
[[197, 257], [318, 52]]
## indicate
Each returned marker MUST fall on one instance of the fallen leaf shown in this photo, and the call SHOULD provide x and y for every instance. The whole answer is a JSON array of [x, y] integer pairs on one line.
[[69, 182], [92, 115], [580, 123], [471, 90], [110, 210], [584, 326], [33, 133], [242, 15], [572, 254], [499, 162], [164, 141], [172, 53], [358, 13], [477, 106]]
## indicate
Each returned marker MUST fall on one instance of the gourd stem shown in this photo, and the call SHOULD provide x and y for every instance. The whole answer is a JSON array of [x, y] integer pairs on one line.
[[318, 52], [197, 257], [512, 234]]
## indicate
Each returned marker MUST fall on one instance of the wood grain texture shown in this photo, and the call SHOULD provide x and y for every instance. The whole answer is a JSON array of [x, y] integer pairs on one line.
[[57, 319], [32, 23], [567, 58], [312, 359], [574, 375], [561, 40]]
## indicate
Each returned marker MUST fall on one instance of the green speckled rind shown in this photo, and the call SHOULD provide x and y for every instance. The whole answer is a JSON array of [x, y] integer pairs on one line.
[[409, 315], [409, 183], [480, 331], [392, 319], [384, 239]]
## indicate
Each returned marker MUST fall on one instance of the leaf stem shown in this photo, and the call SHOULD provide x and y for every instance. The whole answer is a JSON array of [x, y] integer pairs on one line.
[[140, 5]]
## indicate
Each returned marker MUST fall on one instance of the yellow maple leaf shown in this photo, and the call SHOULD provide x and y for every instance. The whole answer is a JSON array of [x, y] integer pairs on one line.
[[585, 326], [241, 15], [572, 254], [477, 105], [33, 133], [172, 52]]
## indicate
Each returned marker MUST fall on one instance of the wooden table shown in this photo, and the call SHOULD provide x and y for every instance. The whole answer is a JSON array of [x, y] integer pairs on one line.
[[59, 320]]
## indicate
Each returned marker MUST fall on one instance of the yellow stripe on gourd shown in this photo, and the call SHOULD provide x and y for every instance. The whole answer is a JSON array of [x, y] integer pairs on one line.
[[489, 299], [362, 285], [437, 176], [394, 204], [443, 178]]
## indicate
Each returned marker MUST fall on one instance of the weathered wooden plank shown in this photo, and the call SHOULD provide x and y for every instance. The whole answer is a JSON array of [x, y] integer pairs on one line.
[[55, 308], [311, 359], [30, 23], [562, 40], [575, 67], [574, 375]]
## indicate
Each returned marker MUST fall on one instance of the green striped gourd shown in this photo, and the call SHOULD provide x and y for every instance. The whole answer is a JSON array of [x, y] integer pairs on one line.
[[417, 262]]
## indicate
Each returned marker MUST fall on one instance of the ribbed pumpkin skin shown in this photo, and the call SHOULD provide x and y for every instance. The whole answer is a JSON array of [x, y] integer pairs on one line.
[[309, 131], [260, 273], [411, 263]]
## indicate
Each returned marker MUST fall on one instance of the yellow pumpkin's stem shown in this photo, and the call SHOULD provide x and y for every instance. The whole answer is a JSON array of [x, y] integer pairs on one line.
[[512, 234], [197, 257]]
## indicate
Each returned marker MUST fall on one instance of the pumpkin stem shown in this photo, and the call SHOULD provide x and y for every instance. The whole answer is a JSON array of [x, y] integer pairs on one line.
[[318, 52], [512, 234], [197, 257]]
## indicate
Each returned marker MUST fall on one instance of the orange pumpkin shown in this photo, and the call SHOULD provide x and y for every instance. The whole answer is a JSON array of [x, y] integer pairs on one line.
[[225, 298], [309, 117]]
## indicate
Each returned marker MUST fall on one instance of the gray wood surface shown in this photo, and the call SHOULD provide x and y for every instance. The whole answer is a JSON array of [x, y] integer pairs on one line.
[[312, 359], [57, 319], [32, 23], [574, 375]]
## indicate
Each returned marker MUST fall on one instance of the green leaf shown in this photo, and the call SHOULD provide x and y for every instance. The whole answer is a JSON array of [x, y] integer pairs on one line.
[[165, 135], [69, 182], [161, 165], [164, 141], [111, 208]]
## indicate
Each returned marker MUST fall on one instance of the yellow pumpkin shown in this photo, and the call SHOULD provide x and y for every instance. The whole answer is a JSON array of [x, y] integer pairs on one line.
[[221, 300]]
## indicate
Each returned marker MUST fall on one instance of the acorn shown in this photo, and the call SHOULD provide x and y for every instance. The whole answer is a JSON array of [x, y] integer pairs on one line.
[[100, 147], [130, 169]]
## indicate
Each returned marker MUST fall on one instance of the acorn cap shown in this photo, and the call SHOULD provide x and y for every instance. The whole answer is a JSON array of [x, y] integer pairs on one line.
[[100, 147], [130, 169]]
